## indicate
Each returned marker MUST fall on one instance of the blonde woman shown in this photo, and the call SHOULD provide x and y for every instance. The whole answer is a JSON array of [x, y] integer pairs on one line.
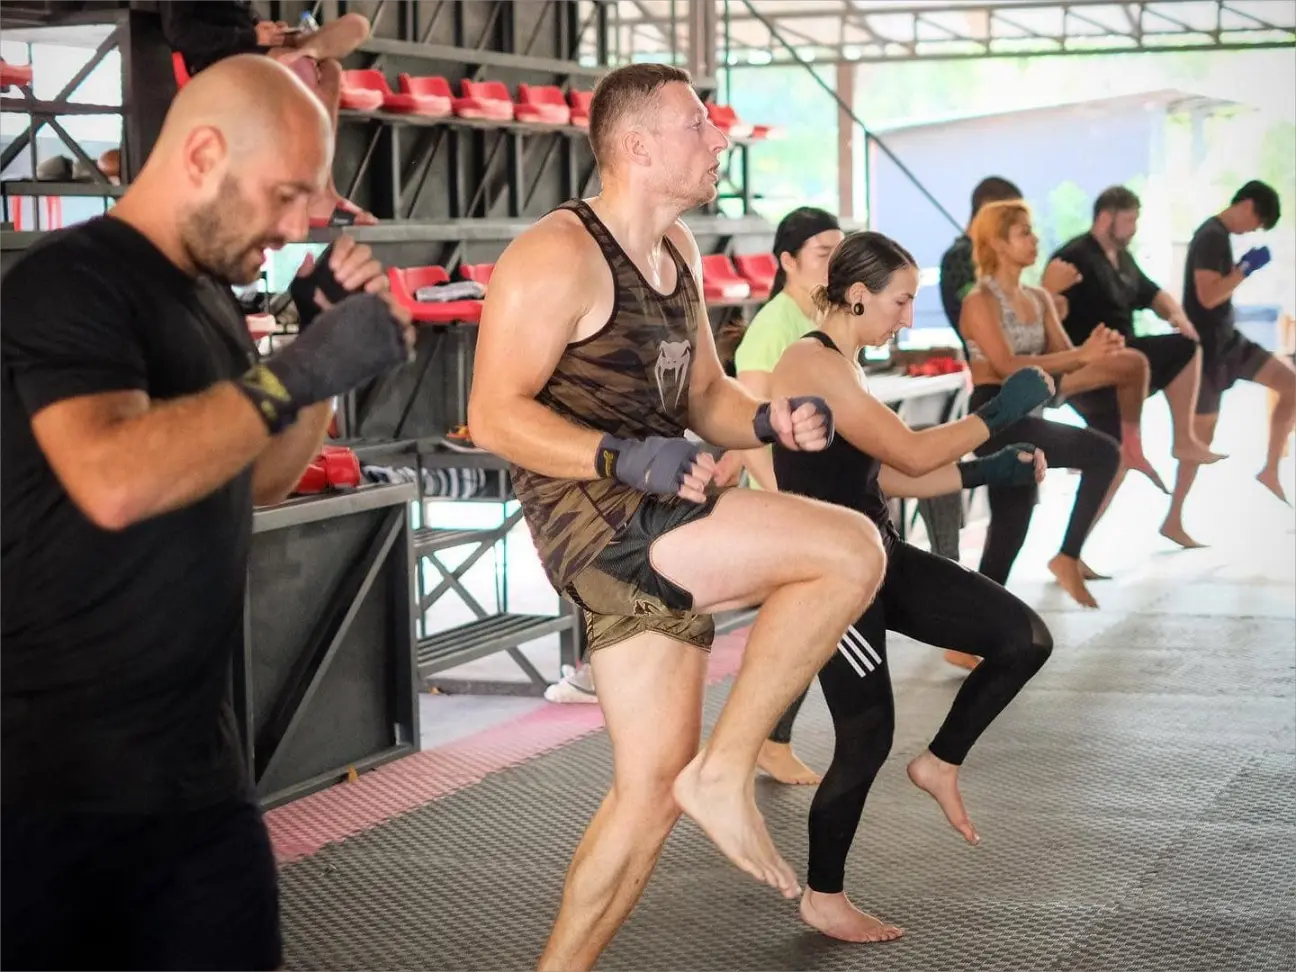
[[1008, 326]]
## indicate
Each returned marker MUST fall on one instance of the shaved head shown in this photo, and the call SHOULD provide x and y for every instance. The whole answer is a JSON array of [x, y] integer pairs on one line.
[[250, 99], [244, 148]]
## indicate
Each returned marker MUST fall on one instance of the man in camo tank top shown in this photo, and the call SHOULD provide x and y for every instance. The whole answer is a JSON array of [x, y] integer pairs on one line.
[[594, 356]]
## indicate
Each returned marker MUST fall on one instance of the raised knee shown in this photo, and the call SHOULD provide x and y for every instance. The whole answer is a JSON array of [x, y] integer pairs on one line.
[[1134, 362], [357, 25], [1036, 644], [861, 559]]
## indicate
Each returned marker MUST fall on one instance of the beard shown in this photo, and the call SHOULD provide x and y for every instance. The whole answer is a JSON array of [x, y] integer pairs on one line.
[[215, 236], [1119, 242], [686, 194]]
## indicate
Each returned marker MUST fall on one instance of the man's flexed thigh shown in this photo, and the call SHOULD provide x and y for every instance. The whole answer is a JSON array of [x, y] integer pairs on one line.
[[754, 543]]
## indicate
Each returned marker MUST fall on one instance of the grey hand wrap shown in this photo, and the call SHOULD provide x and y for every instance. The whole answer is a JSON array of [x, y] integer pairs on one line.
[[653, 465], [348, 344]]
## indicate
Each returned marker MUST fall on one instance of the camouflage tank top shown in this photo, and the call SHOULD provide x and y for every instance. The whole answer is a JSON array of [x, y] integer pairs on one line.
[[630, 379]]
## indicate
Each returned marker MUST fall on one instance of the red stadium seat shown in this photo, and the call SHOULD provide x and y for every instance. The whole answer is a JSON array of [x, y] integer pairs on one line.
[[432, 95], [580, 106], [720, 281], [725, 118], [14, 75], [363, 90], [180, 69], [406, 282], [759, 269], [477, 272], [484, 99], [543, 103], [404, 102]]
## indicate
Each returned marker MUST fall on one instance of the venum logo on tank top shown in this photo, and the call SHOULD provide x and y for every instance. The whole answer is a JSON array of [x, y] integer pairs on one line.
[[673, 358]]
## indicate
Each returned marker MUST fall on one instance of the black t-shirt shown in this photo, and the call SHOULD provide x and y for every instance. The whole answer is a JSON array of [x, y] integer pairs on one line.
[[957, 278], [840, 474], [1211, 248], [1107, 294], [206, 31], [116, 647]]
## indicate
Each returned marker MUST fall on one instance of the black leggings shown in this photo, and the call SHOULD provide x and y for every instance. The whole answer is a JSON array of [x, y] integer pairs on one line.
[[943, 516], [1095, 454], [939, 602]]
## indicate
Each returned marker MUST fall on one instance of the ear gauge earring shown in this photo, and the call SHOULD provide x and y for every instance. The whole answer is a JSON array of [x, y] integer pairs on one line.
[[857, 309]]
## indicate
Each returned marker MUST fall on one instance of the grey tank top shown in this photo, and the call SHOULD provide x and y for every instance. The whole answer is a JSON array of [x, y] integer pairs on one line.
[[1024, 337]]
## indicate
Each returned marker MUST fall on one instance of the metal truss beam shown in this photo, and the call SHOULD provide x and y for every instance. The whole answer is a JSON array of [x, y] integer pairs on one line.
[[879, 32]]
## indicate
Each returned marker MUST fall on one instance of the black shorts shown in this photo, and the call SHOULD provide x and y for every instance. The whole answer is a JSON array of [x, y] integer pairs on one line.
[[623, 595], [1238, 359], [194, 890], [1167, 355]]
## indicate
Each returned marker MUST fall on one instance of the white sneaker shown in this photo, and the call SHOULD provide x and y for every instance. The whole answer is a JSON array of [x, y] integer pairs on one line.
[[576, 685]]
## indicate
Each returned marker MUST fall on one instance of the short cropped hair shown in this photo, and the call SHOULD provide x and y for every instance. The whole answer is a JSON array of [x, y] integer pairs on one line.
[[1263, 199], [1115, 199], [622, 92], [993, 189]]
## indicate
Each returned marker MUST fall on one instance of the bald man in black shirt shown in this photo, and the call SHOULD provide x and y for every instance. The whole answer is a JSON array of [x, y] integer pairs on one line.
[[140, 428]]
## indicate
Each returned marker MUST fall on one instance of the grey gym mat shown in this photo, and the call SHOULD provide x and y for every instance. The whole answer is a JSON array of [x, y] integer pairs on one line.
[[1137, 807]]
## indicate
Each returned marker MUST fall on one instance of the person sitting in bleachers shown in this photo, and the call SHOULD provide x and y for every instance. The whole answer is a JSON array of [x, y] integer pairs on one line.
[[204, 33]]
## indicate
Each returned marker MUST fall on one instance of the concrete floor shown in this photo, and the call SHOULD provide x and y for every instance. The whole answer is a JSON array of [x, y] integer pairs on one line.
[[1137, 802]]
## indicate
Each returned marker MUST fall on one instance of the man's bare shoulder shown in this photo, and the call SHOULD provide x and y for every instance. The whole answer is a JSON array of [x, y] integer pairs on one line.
[[558, 239], [554, 264]]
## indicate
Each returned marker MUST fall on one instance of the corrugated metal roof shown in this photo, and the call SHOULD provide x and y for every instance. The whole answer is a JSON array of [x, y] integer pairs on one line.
[[770, 31]]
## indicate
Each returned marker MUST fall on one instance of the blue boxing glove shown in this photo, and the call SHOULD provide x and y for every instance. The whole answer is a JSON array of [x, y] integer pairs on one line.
[[1253, 260], [1022, 393], [654, 465], [764, 429], [321, 280], [1002, 468]]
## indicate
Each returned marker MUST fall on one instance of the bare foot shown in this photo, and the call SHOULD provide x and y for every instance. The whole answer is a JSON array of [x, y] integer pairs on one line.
[[1176, 532], [1089, 574], [962, 659], [1067, 571], [725, 809], [1268, 478], [778, 760], [1194, 451], [940, 779], [836, 917], [1137, 462]]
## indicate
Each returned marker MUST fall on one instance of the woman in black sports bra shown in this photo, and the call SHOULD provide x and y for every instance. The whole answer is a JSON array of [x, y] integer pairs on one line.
[[871, 284]]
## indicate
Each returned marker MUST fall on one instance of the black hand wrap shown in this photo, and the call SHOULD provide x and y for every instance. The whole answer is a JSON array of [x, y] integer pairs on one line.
[[350, 343], [654, 465], [1024, 391], [765, 431], [1002, 468], [321, 279]]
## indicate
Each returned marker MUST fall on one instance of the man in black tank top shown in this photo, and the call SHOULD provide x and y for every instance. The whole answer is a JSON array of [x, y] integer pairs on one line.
[[594, 357]]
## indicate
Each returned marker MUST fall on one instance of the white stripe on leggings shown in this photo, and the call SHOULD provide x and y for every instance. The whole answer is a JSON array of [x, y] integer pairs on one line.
[[849, 646]]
